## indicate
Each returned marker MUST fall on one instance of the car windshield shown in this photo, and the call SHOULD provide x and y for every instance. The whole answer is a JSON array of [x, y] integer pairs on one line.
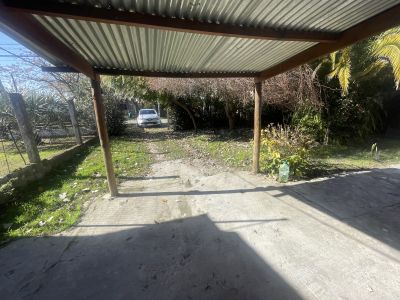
[[147, 112]]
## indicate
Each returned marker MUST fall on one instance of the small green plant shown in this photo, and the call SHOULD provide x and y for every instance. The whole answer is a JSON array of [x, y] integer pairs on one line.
[[285, 143], [375, 151], [6, 191]]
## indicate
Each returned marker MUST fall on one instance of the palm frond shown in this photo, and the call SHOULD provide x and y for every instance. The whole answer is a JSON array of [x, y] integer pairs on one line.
[[341, 68], [372, 69], [386, 48], [332, 57]]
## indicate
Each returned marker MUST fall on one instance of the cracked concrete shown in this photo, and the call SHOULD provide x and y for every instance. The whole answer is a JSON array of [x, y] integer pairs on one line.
[[184, 232]]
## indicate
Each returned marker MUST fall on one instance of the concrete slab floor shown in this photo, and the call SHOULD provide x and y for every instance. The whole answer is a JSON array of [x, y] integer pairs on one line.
[[181, 234]]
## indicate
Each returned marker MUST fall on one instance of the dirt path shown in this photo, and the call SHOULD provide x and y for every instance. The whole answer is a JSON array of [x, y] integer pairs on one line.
[[188, 232], [157, 154]]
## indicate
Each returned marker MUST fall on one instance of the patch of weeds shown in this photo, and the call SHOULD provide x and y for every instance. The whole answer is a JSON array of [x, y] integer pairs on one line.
[[55, 203], [172, 148], [233, 153], [168, 143]]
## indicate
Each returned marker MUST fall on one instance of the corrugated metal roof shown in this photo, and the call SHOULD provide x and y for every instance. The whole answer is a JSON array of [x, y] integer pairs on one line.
[[145, 49], [138, 48], [320, 15]]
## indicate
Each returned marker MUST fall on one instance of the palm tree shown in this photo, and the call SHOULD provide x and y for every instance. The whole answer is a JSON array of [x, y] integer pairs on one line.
[[376, 53]]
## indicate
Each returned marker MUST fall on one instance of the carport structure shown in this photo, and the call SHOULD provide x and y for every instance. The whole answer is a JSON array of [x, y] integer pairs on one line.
[[189, 39]]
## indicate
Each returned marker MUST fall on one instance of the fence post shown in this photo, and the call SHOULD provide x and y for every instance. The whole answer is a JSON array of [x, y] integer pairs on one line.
[[25, 127], [74, 121]]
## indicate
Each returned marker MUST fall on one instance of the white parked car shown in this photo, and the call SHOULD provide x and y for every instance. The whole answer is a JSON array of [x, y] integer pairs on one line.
[[148, 117]]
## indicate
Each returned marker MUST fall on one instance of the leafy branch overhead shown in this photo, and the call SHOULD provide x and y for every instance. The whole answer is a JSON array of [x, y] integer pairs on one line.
[[377, 52]]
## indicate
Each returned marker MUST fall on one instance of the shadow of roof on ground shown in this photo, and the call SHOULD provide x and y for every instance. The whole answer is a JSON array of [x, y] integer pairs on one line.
[[184, 259], [368, 201]]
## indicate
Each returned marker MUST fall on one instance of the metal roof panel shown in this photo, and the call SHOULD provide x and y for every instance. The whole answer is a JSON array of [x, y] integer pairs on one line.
[[320, 15], [114, 46], [138, 48]]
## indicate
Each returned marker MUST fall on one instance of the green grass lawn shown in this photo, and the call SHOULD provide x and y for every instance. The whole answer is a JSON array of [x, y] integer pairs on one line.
[[46, 150], [237, 152], [232, 152], [324, 159], [338, 157], [55, 203]]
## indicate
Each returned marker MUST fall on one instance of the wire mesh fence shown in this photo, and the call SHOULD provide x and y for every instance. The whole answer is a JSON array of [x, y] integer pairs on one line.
[[42, 122], [51, 138]]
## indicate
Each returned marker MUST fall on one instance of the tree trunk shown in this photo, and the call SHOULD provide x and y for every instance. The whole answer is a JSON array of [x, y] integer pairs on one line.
[[187, 110], [137, 108], [230, 115]]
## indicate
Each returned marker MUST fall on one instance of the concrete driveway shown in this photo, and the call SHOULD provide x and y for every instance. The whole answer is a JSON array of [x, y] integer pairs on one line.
[[185, 232]]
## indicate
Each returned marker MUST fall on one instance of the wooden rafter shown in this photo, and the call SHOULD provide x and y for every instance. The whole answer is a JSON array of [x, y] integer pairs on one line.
[[105, 15], [115, 72], [375, 25], [29, 28]]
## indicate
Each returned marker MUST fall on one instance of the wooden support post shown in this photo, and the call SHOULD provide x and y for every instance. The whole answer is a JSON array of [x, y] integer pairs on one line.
[[257, 124], [25, 127], [103, 135], [74, 121]]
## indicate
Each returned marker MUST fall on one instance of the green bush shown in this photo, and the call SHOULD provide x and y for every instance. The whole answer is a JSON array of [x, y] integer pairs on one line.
[[285, 143], [310, 123], [115, 116], [178, 117]]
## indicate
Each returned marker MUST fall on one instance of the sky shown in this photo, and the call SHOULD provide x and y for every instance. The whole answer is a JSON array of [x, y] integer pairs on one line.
[[8, 45], [11, 53]]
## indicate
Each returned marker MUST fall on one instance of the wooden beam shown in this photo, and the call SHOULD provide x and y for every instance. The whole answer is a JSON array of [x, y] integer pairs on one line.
[[103, 134], [60, 69], [116, 72], [375, 25], [257, 124], [29, 28], [113, 16]]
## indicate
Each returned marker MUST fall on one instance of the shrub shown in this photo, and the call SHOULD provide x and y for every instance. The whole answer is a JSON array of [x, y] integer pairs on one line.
[[178, 117], [285, 143], [115, 116], [310, 123]]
